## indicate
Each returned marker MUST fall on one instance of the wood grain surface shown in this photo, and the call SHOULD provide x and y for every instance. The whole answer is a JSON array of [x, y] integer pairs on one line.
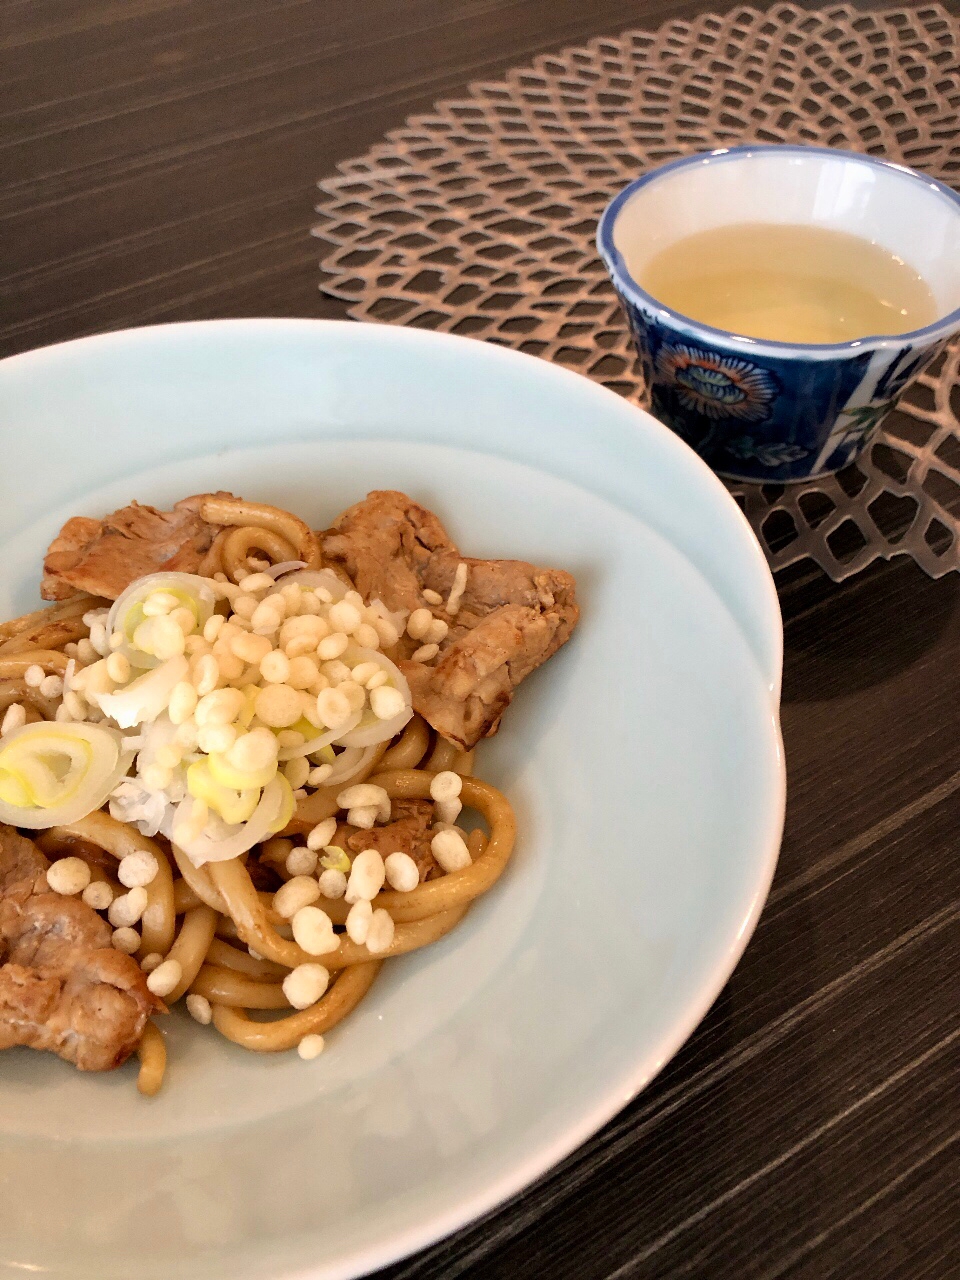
[[158, 162]]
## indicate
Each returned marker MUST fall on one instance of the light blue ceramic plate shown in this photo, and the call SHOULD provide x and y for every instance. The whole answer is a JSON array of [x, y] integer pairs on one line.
[[644, 762]]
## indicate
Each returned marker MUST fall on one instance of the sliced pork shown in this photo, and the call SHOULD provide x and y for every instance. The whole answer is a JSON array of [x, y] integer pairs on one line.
[[63, 987], [105, 556], [510, 616], [408, 831]]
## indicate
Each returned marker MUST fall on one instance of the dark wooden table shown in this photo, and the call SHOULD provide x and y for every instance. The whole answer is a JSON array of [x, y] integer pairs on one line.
[[159, 157]]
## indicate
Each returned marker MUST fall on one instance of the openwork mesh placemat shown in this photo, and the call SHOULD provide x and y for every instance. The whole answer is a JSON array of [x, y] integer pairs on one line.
[[479, 219]]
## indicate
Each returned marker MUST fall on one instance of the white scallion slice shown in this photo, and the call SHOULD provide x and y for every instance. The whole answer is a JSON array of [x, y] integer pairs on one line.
[[310, 578], [146, 697], [271, 814], [228, 775], [398, 617], [56, 773], [371, 729], [233, 805], [286, 566], [322, 740], [130, 801], [192, 592], [348, 764]]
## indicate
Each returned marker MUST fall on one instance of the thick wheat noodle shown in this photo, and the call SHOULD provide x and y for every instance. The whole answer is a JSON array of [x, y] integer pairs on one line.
[[253, 927], [227, 930], [55, 846], [464, 764], [226, 957], [53, 636], [442, 756], [8, 697], [191, 946], [226, 986], [236, 511], [212, 561], [54, 850], [75, 606], [476, 843], [276, 860], [152, 1052], [410, 936], [284, 1033], [228, 933], [323, 803], [274, 853], [198, 880], [17, 690], [343, 833], [17, 665], [447, 891], [184, 899], [458, 887], [240, 542], [98, 873], [410, 750], [273, 917], [118, 838], [232, 881], [195, 886], [336, 908]]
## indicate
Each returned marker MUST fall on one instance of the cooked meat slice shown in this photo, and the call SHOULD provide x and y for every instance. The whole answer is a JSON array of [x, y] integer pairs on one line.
[[22, 865], [406, 832], [63, 987], [512, 615], [105, 556], [65, 553], [47, 925], [87, 1017], [385, 544], [466, 691]]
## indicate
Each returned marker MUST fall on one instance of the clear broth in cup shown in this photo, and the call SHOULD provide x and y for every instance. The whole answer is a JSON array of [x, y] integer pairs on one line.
[[788, 283]]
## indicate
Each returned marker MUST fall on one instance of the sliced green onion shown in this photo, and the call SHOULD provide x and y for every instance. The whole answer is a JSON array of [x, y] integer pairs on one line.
[[147, 696], [56, 773], [307, 579], [234, 806], [222, 771], [270, 815], [370, 729], [191, 591], [288, 805], [335, 859]]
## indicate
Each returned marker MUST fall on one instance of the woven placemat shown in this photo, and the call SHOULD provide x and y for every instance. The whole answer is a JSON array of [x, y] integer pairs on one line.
[[478, 218]]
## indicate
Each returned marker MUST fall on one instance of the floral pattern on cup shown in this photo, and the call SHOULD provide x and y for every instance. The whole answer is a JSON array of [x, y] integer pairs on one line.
[[773, 418], [716, 386]]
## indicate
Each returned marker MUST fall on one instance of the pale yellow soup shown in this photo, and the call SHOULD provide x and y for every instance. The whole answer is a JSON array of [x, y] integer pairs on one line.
[[787, 283]]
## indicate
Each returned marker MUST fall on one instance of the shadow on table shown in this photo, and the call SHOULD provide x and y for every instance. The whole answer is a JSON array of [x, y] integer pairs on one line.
[[840, 638]]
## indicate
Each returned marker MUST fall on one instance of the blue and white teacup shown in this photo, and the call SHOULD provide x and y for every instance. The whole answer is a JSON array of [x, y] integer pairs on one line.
[[776, 411]]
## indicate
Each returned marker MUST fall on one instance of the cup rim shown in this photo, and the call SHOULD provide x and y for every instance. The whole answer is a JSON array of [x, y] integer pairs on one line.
[[628, 286]]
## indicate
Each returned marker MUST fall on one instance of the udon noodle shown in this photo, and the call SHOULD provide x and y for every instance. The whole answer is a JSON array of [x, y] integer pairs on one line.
[[232, 947]]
